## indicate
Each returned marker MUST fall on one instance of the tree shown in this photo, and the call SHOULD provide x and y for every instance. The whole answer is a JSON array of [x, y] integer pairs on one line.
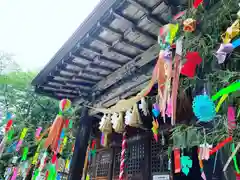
[[30, 110]]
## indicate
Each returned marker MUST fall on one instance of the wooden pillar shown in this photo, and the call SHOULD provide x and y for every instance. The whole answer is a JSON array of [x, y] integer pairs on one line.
[[81, 144]]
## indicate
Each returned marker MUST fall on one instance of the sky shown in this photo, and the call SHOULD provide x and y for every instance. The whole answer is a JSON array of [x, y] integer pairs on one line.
[[34, 30]]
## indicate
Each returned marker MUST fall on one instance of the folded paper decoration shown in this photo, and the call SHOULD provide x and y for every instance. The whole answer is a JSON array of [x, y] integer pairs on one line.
[[204, 108], [155, 130], [196, 3], [186, 164], [189, 68]]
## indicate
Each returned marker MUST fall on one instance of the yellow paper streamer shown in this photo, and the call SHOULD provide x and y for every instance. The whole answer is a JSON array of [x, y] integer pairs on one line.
[[173, 29], [231, 32], [23, 133], [35, 157], [221, 101], [67, 164]]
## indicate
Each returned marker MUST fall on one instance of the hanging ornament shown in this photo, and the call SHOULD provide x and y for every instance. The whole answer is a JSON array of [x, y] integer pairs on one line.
[[93, 148], [8, 125], [204, 108], [163, 139], [65, 139], [155, 129], [189, 25], [22, 136], [70, 124], [38, 131], [10, 134], [225, 49], [223, 98], [201, 169], [12, 147], [156, 110], [177, 161], [169, 107], [235, 160], [196, 3], [186, 164], [132, 117], [175, 79], [220, 145], [55, 130], [43, 161], [231, 120], [231, 32], [204, 151], [117, 122], [189, 68], [36, 155], [143, 106], [227, 90], [24, 154], [65, 105], [7, 173], [15, 172], [105, 124], [123, 156]]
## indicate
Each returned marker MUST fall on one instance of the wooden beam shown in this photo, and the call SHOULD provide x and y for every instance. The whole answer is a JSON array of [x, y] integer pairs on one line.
[[128, 89], [133, 25], [107, 60], [152, 18], [111, 47], [77, 77], [73, 81], [141, 60]]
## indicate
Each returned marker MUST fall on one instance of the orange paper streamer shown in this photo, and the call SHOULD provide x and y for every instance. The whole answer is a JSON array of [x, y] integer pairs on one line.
[[54, 133]]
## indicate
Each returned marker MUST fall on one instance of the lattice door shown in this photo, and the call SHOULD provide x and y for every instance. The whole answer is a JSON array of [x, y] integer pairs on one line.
[[159, 157], [137, 159], [116, 167]]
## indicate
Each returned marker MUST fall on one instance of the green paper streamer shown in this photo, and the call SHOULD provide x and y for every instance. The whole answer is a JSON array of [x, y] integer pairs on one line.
[[10, 134], [36, 173], [70, 124], [52, 172], [25, 153], [231, 88], [235, 159]]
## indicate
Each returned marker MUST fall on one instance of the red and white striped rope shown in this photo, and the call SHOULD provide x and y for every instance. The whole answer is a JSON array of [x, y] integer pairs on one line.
[[123, 159]]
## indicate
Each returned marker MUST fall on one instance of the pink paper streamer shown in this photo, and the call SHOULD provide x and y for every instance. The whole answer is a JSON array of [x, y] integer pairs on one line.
[[203, 176], [15, 171], [38, 131], [19, 144], [231, 120]]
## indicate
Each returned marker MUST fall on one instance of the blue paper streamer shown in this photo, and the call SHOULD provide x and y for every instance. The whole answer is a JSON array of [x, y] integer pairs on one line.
[[236, 43]]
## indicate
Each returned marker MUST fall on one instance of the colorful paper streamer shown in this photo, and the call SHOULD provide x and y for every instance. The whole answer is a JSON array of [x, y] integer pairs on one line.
[[24, 154]]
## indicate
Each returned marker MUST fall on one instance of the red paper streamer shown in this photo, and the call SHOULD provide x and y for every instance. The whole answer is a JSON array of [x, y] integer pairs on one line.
[[93, 144], [196, 3], [189, 68], [177, 162], [178, 15], [220, 145], [66, 123], [54, 158], [8, 125]]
